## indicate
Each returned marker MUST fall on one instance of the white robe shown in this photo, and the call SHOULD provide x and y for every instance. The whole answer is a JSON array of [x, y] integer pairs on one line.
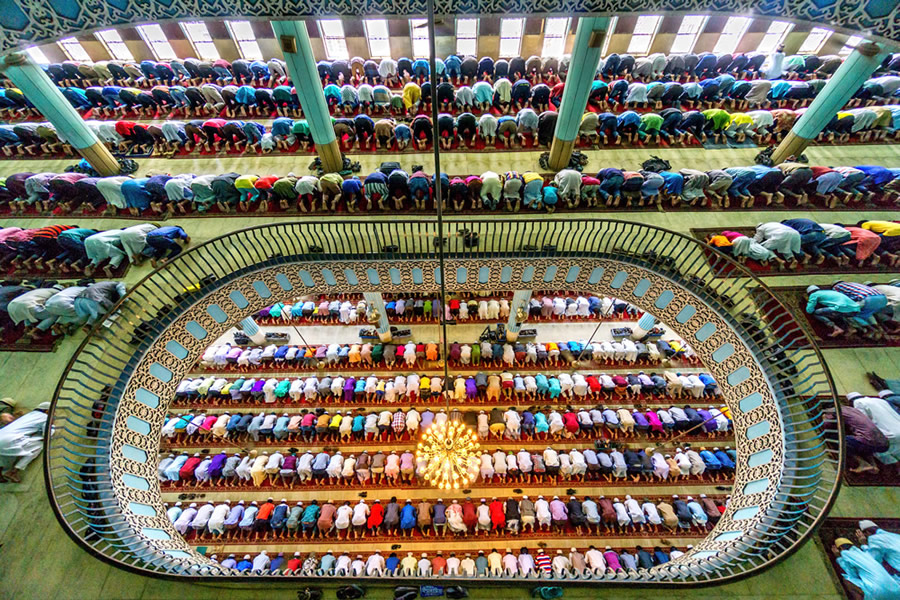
[[22, 440]]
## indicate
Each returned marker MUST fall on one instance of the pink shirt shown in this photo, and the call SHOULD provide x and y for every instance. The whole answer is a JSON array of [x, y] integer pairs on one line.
[[406, 460]]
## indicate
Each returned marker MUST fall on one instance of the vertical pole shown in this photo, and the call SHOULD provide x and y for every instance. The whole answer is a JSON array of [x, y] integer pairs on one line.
[[858, 67], [513, 324], [251, 329], [47, 98], [582, 70], [376, 302], [301, 66]]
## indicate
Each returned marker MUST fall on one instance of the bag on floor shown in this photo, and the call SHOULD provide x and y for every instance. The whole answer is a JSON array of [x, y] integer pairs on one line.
[[656, 164], [547, 592], [389, 166]]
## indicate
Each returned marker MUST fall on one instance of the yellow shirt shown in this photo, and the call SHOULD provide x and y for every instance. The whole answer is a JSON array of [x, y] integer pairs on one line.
[[425, 383], [245, 182], [411, 95], [530, 176], [741, 119], [886, 228]]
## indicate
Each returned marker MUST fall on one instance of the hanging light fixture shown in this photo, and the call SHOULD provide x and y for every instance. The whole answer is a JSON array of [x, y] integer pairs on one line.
[[450, 451]]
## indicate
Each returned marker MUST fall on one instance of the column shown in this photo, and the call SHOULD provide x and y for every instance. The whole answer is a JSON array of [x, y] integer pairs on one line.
[[644, 324], [376, 307], [514, 323], [301, 66], [582, 70], [849, 77], [251, 329], [46, 97]]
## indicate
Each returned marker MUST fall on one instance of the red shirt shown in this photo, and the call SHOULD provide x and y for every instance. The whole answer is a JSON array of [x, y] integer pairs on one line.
[[125, 128], [498, 517], [187, 470], [266, 183], [294, 564], [470, 518], [265, 511], [376, 515]]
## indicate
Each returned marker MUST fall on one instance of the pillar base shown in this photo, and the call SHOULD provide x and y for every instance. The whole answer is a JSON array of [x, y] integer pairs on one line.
[[330, 155], [511, 336], [258, 338], [101, 159], [385, 336], [560, 153], [791, 145]]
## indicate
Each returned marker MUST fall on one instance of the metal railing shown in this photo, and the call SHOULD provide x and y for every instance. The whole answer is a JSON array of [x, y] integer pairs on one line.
[[84, 412]]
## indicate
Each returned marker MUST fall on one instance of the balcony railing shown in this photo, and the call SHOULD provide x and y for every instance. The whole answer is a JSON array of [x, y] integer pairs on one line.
[[110, 403]]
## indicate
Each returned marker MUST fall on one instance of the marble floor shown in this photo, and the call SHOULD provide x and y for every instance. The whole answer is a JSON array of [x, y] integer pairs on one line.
[[39, 561]]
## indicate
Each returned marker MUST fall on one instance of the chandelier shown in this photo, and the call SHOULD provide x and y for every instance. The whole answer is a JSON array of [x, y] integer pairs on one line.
[[449, 451]]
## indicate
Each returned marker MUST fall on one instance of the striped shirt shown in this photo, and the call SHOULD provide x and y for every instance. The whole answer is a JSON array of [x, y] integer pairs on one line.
[[51, 232], [543, 562], [855, 291]]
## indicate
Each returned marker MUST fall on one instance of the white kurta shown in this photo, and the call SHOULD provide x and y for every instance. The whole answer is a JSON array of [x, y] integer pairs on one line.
[[22, 440]]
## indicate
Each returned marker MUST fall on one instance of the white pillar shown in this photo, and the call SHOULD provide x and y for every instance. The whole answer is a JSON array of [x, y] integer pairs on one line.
[[375, 303], [251, 330], [644, 325], [520, 301]]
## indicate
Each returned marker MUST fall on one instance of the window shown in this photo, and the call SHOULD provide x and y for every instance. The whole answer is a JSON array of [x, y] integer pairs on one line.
[[511, 31], [467, 37], [644, 32], [555, 32], [37, 55], [113, 43], [815, 40], [332, 31], [688, 32], [242, 34], [378, 38], [852, 42], [418, 31], [73, 49], [613, 21], [198, 35], [155, 38], [775, 35], [734, 30]]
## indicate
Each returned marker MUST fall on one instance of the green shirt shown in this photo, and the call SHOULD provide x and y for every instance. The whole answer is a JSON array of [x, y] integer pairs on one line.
[[651, 122], [300, 127], [719, 117]]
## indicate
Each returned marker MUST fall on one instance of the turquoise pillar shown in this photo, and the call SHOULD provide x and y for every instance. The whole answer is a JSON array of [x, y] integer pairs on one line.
[[849, 77], [582, 70], [375, 305], [251, 329], [301, 66], [644, 324], [514, 323], [47, 98]]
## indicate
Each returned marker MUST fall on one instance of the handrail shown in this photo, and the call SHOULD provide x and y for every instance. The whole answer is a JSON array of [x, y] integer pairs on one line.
[[85, 470]]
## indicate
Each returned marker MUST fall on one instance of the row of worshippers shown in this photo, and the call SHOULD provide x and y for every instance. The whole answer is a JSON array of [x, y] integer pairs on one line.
[[416, 307], [396, 190], [502, 96], [426, 518], [607, 563], [70, 249], [849, 309], [53, 309], [873, 564], [403, 468], [800, 241], [511, 424], [412, 354], [416, 388], [525, 128], [871, 431], [459, 69]]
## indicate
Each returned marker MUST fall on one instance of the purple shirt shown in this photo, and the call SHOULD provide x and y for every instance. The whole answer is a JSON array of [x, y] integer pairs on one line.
[[710, 422], [406, 460], [558, 511], [612, 560], [258, 386], [216, 464], [235, 515], [427, 418], [289, 463], [639, 419]]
